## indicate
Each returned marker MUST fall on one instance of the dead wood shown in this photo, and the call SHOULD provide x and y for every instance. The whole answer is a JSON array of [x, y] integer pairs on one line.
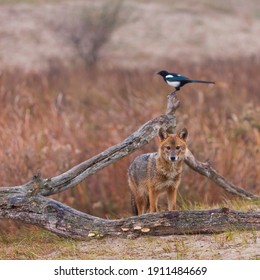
[[205, 169], [68, 222], [29, 204]]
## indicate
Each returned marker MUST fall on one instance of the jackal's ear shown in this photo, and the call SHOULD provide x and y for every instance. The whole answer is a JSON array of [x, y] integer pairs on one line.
[[183, 134], [162, 134]]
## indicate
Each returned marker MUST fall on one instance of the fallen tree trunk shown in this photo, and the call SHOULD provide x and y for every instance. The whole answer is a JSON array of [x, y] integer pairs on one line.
[[68, 222], [28, 202]]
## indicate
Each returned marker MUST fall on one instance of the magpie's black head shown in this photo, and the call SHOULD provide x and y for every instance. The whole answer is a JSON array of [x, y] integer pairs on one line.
[[162, 73]]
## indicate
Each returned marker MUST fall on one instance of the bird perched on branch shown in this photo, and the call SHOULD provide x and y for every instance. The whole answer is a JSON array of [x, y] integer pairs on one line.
[[177, 81]]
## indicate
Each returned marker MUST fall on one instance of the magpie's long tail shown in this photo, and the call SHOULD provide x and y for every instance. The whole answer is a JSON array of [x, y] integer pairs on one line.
[[204, 82]]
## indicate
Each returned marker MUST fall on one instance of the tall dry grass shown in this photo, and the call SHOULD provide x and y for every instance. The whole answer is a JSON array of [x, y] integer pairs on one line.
[[54, 120]]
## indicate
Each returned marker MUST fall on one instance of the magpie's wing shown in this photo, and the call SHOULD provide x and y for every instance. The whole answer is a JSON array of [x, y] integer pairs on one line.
[[176, 77]]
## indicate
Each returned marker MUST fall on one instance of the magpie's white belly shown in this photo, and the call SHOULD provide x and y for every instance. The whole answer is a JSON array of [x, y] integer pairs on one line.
[[174, 84]]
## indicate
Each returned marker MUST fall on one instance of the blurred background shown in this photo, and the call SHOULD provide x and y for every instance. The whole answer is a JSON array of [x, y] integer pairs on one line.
[[77, 77]]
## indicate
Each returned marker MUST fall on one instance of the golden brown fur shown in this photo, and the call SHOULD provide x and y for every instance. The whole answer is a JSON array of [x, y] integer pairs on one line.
[[149, 175]]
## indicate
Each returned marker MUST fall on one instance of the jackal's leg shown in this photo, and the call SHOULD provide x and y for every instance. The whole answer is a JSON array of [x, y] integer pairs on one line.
[[141, 203], [153, 199], [172, 195]]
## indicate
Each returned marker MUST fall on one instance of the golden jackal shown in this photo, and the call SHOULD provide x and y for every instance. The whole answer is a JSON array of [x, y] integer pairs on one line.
[[151, 174]]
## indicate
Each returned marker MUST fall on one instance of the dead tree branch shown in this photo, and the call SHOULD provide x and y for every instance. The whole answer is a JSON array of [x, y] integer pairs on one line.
[[29, 204], [78, 173], [205, 169]]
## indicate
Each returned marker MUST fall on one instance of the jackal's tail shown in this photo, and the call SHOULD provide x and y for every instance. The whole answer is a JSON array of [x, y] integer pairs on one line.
[[133, 204]]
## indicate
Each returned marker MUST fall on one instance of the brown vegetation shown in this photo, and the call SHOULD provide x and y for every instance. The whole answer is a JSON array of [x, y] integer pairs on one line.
[[53, 120]]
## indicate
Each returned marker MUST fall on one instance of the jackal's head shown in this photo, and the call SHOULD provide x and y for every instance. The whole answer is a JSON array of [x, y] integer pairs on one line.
[[173, 146]]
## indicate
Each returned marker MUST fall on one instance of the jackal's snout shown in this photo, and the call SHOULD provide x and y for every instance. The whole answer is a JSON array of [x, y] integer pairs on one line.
[[172, 157]]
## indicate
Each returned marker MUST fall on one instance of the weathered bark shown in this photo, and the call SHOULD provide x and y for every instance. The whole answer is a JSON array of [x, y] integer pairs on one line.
[[68, 222], [205, 169], [28, 202], [78, 173]]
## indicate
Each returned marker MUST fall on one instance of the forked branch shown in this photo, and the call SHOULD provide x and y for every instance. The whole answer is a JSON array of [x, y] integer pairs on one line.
[[78, 173], [28, 202]]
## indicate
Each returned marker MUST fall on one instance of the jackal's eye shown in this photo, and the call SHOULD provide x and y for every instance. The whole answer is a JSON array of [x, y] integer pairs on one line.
[[178, 147], [168, 147]]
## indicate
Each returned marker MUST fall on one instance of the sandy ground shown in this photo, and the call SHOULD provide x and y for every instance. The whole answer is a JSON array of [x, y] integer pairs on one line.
[[147, 34], [26, 244], [226, 246]]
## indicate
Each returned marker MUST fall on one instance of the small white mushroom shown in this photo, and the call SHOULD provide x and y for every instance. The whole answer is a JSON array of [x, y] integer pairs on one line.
[[91, 234], [137, 227], [145, 229]]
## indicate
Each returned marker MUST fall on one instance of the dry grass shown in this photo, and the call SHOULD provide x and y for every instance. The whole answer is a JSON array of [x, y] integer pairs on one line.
[[200, 29], [50, 121], [27, 244], [54, 120]]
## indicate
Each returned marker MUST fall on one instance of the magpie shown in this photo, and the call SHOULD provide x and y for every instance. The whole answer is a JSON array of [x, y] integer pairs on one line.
[[177, 81]]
